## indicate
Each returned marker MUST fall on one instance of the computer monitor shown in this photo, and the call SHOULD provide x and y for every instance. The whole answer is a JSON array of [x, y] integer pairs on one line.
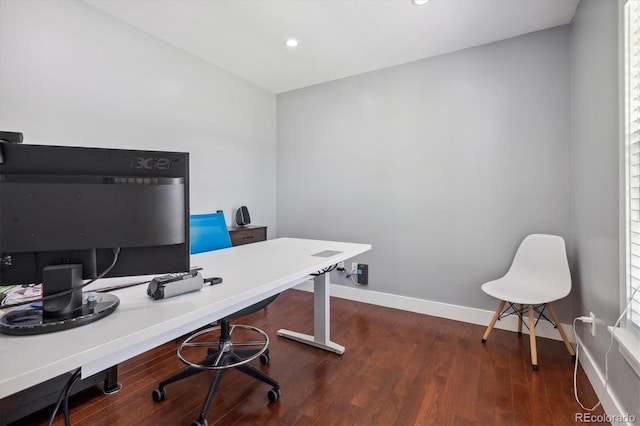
[[74, 213]]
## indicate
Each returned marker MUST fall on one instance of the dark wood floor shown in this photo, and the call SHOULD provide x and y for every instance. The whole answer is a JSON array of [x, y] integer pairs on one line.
[[400, 368]]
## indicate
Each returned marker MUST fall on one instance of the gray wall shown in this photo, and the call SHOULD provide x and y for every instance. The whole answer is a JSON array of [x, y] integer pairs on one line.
[[595, 112], [73, 75], [443, 165]]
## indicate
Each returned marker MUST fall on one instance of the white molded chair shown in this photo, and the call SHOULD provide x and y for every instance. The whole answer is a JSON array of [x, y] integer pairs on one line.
[[538, 276]]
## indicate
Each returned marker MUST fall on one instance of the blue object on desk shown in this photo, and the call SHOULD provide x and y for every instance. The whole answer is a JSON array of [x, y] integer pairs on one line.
[[209, 232]]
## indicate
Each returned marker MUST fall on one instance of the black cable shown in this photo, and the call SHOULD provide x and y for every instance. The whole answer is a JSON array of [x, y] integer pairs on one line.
[[64, 392], [325, 270], [55, 409], [116, 252], [67, 393]]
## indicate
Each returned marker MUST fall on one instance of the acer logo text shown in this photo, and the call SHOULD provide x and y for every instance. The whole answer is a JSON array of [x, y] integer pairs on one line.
[[151, 163]]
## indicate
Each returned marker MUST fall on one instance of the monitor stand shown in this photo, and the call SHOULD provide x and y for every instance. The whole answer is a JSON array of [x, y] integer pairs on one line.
[[68, 310]]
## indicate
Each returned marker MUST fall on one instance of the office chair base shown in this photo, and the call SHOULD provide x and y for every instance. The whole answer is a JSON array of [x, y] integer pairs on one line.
[[221, 354]]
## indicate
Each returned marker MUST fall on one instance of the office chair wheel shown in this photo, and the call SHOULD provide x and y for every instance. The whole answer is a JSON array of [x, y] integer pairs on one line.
[[265, 358], [273, 395], [535, 367], [199, 423], [159, 394]]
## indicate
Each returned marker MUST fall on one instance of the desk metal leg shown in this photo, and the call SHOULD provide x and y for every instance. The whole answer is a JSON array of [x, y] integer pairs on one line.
[[111, 384], [321, 311]]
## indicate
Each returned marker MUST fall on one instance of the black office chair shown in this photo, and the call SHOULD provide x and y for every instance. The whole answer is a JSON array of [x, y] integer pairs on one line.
[[215, 348]]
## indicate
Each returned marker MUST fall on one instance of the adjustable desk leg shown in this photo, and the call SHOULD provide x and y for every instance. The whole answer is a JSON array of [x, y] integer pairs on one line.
[[321, 312], [111, 384]]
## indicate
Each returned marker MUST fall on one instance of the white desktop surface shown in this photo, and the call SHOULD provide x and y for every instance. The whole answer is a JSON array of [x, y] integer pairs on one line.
[[250, 272]]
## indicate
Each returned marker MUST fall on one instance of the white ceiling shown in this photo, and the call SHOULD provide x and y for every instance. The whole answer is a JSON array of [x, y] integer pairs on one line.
[[338, 38]]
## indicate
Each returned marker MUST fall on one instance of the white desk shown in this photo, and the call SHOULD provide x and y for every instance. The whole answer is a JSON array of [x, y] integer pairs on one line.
[[251, 273]]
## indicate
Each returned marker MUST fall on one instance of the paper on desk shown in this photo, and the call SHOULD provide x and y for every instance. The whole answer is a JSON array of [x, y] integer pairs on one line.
[[20, 293]]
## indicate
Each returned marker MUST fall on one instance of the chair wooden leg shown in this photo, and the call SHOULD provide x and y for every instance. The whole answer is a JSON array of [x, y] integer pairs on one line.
[[561, 330], [532, 339], [520, 306], [493, 321]]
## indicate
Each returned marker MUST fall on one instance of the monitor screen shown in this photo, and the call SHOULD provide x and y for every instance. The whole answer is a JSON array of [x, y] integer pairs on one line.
[[89, 207]]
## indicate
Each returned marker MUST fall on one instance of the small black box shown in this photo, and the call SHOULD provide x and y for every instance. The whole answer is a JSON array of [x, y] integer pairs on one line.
[[363, 273]]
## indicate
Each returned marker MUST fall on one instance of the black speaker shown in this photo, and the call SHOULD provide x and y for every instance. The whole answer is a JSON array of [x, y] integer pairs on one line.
[[242, 216]]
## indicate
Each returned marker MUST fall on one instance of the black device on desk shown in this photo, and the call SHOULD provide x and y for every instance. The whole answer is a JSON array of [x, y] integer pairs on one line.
[[72, 213]]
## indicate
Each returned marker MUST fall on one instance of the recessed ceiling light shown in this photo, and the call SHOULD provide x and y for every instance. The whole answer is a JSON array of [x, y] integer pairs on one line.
[[291, 42], [419, 2]]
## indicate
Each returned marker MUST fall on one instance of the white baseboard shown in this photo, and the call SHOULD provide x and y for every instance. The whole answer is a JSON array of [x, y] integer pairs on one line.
[[438, 309], [610, 402]]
